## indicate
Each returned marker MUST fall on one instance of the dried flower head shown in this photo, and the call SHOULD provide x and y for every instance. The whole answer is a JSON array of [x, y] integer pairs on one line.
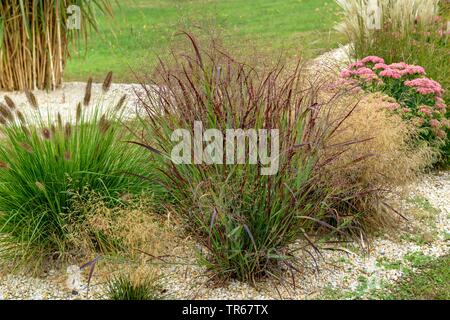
[[88, 92], [46, 133], [104, 124], [68, 130], [26, 147], [26, 130], [59, 119], [120, 103], [10, 103], [31, 99], [107, 82], [78, 114], [40, 186], [21, 117], [6, 113]]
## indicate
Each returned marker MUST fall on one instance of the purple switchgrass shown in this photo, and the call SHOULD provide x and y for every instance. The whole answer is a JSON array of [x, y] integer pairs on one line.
[[245, 219]]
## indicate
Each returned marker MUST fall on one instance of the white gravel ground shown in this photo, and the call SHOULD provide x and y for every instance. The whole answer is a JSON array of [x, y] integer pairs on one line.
[[65, 99]]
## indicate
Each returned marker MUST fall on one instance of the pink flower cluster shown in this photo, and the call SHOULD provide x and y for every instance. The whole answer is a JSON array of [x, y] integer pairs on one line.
[[415, 96], [425, 86], [391, 73], [366, 66], [397, 70], [372, 59]]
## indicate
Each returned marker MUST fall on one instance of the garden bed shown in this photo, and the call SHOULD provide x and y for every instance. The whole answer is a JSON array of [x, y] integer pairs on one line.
[[344, 271]]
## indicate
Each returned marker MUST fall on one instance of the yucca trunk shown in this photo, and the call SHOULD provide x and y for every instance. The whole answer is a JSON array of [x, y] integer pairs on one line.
[[34, 40]]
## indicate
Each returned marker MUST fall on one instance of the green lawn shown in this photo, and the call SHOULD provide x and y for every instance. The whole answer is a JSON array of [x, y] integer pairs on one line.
[[142, 28], [431, 282]]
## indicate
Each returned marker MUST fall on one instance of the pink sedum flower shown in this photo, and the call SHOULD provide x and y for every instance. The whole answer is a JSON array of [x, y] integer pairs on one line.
[[356, 65], [379, 66], [426, 110], [414, 70], [435, 123], [399, 65], [345, 73], [391, 73], [441, 134], [425, 86], [372, 59]]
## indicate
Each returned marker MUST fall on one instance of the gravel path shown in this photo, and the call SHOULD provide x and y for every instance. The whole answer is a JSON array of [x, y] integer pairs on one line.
[[65, 99]]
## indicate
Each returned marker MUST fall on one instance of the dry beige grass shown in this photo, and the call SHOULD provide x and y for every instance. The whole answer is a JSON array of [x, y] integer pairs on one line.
[[128, 231], [394, 160], [383, 158]]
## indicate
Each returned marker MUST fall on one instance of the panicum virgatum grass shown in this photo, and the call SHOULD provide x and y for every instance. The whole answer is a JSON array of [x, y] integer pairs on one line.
[[245, 220]]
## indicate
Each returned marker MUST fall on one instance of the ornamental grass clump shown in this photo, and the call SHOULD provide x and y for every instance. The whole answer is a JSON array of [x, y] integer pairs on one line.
[[135, 285], [243, 219], [415, 97], [48, 166]]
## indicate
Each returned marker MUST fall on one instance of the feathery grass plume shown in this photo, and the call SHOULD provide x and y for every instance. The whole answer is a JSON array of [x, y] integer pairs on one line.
[[67, 130], [51, 170], [6, 113], [67, 155], [40, 186], [21, 117], [107, 82], [121, 102], [10, 102], [25, 146], [78, 112], [32, 99], [104, 124], [26, 130], [88, 92], [4, 165], [59, 120]]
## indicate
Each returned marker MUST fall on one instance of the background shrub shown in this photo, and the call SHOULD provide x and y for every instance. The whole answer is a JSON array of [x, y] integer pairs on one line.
[[46, 168], [413, 31], [415, 97]]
